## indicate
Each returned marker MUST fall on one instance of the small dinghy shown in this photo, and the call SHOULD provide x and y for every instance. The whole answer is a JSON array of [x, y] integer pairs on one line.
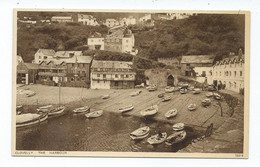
[[140, 133], [210, 94], [196, 91], [166, 98], [150, 111], [94, 114], [44, 108], [157, 139], [126, 108], [217, 96], [176, 137], [169, 89], [135, 93], [105, 97], [183, 91], [161, 95], [192, 107], [178, 126], [152, 88], [81, 109], [171, 113], [206, 102], [30, 119], [56, 111], [30, 93]]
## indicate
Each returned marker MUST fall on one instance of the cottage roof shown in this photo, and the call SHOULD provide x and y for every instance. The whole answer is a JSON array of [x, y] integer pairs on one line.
[[61, 17], [67, 54], [84, 16], [32, 66], [96, 35], [195, 59], [47, 52], [111, 64], [232, 59], [74, 59]]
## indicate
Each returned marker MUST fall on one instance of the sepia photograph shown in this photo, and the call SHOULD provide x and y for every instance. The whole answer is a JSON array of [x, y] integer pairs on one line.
[[130, 83]]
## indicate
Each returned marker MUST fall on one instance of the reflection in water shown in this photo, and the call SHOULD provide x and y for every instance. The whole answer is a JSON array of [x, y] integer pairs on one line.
[[110, 132]]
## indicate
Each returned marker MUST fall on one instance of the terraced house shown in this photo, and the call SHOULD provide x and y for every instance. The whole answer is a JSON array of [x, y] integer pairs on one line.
[[112, 75]]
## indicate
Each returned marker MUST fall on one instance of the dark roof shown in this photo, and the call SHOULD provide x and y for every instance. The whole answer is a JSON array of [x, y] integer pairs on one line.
[[32, 66], [111, 64], [196, 59]]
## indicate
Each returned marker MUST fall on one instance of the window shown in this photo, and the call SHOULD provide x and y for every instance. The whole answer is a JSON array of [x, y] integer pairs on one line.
[[98, 75], [216, 73], [116, 76], [40, 57], [235, 73], [203, 73], [122, 76], [219, 73], [235, 84], [116, 83], [104, 75], [45, 57], [98, 81], [229, 73], [104, 81], [127, 76], [126, 41], [241, 73], [188, 65]]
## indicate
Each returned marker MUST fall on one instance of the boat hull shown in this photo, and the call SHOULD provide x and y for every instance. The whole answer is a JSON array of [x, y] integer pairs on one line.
[[33, 122]]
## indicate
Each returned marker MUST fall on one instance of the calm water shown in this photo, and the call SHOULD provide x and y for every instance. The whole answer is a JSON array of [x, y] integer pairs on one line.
[[110, 132]]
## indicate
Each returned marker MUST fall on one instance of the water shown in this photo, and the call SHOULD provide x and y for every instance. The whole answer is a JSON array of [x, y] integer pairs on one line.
[[110, 132]]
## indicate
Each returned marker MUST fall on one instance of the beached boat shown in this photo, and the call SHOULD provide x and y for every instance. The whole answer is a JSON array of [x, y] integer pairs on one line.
[[126, 108], [150, 111], [136, 93], [191, 88], [151, 88], [30, 119], [140, 133], [19, 109], [44, 108], [166, 98], [81, 109], [183, 91], [161, 95], [56, 111], [217, 96], [206, 102], [105, 96], [210, 94], [178, 126], [176, 137], [171, 113], [196, 91], [169, 89], [94, 114], [30, 93], [157, 139], [192, 107]]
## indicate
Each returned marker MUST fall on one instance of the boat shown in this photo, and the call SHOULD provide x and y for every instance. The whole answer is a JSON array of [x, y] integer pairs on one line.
[[161, 95], [126, 108], [44, 108], [157, 139], [166, 98], [56, 111], [178, 126], [176, 137], [169, 89], [30, 119], [140, 133], [94, 114], [217, 96], [105, 97], [30, 93], [206, 102], [150, 111], [196, 91], [171, 113], [135, 93], [183, 91], [151, 88], [81, 109], [210, 94], [191, 88], [192, 107]]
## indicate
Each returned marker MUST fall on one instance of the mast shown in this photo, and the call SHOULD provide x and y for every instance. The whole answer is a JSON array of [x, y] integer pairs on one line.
[[59, 92]]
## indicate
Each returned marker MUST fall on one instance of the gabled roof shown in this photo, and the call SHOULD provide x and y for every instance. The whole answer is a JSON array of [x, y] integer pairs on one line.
[[111, 64], [84, 16], [195, 59], [67, 54], [47, 52], [32, 66], [96, 35], [79, 59]]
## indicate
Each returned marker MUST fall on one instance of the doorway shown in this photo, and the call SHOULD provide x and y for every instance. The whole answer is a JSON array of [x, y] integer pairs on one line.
[[170, 80]]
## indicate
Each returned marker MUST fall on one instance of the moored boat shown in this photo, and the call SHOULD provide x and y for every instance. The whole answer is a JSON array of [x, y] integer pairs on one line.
[[178, 126], [81, 109], [140, 133], [210, 94], [169, 89], [94, 114], [192, 107], [136, 93], [217, 96], [206, 102], [157, 139], [166, 98], [44, 108], [30, 119], [196, 91], [183, 91], [171, 113], [105, 96], [30, 93], [126, 108], [56, 111], [150, 111], [161, 95], [176, 137]]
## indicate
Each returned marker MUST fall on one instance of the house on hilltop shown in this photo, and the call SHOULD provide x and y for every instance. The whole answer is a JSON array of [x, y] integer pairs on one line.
[[111, 23], [43, 54], [62, 19], [87, 20], [96, 41]]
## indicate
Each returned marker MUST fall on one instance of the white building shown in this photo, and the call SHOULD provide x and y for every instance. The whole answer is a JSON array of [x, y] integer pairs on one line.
[[145, 18], [111, 23], [62, 19], [230, 72], [128, 21], [112, 75], [87, 20], [96, 42], [43, 54]]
